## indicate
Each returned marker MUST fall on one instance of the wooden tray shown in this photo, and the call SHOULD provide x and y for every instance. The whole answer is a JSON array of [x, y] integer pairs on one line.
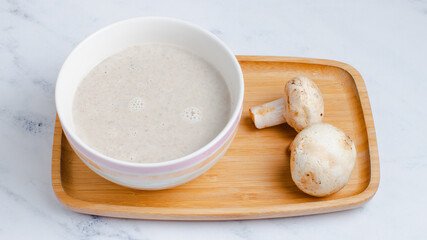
[[252, 180]]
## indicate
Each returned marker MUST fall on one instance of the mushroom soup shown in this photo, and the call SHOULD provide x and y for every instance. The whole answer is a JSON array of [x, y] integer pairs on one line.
[[151, 103]]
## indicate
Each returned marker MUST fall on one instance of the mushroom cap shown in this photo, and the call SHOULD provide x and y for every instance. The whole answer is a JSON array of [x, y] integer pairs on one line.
[[322, 159], [303, 103]]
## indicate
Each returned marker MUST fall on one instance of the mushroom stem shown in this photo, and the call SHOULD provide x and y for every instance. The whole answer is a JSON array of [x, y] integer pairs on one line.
[[268, 114]]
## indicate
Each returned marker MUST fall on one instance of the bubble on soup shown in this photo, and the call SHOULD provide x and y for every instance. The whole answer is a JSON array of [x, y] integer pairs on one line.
[[192, 114], [136, 104]]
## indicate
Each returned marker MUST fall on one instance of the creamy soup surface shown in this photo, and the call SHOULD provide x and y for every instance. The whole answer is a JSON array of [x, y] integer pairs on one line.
[[151, 103]]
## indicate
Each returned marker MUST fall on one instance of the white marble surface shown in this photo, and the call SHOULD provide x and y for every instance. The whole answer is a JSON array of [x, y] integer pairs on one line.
[[385, 40]]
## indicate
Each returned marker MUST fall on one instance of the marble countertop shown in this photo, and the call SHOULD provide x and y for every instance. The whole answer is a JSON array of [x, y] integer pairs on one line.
[[385, 40]]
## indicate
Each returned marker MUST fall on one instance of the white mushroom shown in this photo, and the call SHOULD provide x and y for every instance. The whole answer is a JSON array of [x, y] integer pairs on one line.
[[322, 159], [303, 103], [301, 106]]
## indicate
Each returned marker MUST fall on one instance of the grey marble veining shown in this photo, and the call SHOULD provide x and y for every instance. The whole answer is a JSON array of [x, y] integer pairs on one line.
[[385, 40]]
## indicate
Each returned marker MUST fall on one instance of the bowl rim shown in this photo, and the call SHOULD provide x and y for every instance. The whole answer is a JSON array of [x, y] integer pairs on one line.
[[234, 116]]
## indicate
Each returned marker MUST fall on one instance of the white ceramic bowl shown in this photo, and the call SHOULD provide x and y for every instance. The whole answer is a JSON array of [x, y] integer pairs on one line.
[[116, 37]]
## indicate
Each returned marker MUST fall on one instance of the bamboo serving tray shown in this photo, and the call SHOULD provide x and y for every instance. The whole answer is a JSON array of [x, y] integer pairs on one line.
[[252, 180]]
